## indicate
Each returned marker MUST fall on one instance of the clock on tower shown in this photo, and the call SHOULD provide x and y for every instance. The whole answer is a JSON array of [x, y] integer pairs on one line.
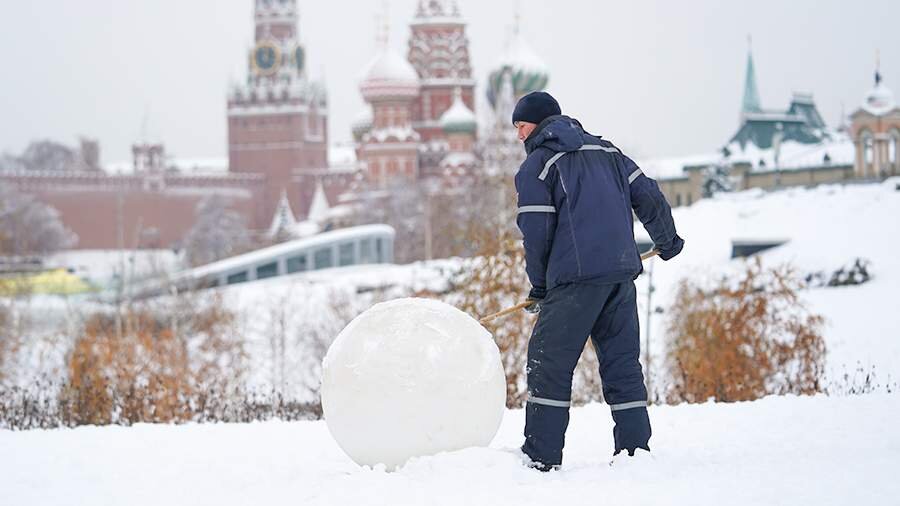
[[266, 58]]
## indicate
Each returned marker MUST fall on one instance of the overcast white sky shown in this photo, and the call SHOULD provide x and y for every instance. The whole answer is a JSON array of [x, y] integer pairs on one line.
[[658, 77]]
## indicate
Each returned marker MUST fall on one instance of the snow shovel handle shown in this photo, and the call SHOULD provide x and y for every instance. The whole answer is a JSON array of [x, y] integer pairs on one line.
[[650, 254], [491, 317]]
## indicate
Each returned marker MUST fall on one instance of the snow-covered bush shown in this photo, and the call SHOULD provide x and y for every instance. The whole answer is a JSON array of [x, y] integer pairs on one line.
[[218, 232], [744, 338]]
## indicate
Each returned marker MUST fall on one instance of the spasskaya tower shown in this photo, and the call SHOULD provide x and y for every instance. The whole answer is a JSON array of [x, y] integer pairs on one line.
[[277, 119]]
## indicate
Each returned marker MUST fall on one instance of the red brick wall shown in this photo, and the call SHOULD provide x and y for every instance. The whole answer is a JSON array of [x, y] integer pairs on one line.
[[94, 206]]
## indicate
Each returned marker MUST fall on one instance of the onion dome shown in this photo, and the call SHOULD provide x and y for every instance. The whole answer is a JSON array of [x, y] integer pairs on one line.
[[525, 68], [389, 75], [362, 123], [880, 99], [459, 118]]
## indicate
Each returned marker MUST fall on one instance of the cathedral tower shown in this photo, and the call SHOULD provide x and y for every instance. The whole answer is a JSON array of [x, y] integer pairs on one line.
[[439, 52]]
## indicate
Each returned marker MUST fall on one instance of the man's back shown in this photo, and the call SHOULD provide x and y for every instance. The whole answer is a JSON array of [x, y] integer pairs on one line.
[[576, 195]]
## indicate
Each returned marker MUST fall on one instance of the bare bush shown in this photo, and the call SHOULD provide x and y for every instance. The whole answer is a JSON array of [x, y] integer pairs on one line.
[[39, 406], [8, 341], [298, 329], [744, 339], [316, 336], [861, 380], [15, 332]]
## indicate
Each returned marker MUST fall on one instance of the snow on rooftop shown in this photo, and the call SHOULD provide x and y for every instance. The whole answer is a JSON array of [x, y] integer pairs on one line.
[[519, 55], [389, 67], [280, 249], [405, 133], [459, 159], [793, 155], [796, 155], [880, 100], [318, 209], [363, 119], [458, 115], [341, 156], [196, 165], [773, 116]]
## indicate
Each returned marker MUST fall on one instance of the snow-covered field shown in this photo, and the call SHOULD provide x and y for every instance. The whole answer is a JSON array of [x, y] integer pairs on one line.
[[825, 228], [782, 450]]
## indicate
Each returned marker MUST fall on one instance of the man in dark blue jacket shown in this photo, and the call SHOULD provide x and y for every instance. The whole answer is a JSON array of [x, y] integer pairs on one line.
[[576, 196]]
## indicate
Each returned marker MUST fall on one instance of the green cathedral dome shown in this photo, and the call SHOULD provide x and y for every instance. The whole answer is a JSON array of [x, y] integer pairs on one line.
[[526, 71]]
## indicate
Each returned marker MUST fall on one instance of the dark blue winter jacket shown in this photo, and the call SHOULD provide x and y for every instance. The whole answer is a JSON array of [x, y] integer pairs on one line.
[[576, 195]]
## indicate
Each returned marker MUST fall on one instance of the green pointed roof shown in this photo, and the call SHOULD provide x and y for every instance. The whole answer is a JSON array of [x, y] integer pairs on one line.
[[751, 92]]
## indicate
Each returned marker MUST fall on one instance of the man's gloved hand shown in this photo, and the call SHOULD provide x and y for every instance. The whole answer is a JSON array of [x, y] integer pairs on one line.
[[535, 296], [672, 249]]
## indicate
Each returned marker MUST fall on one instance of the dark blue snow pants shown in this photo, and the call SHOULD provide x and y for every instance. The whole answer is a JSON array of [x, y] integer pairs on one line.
[[569, 313]]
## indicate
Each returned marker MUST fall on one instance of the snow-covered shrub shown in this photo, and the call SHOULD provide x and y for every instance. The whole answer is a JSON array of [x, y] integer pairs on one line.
[[218, 232], [744, 338], [855, 273], [30, 227]]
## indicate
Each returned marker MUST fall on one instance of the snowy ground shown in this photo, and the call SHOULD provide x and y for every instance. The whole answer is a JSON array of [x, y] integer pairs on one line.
[[782, 450]]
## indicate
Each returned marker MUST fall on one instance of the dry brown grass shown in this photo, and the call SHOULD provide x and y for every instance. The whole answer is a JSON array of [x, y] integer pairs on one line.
[[146, 366]]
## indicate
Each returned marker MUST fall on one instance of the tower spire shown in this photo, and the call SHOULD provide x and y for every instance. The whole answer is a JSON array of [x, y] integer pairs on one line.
[[383, 26], [751, 102], [877, 67], [517, 18]]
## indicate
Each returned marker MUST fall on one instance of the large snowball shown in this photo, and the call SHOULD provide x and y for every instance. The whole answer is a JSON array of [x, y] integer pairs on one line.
[[412, 377]]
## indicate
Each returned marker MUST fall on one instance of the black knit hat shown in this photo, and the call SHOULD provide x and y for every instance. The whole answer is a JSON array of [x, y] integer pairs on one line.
[[536, 107]]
